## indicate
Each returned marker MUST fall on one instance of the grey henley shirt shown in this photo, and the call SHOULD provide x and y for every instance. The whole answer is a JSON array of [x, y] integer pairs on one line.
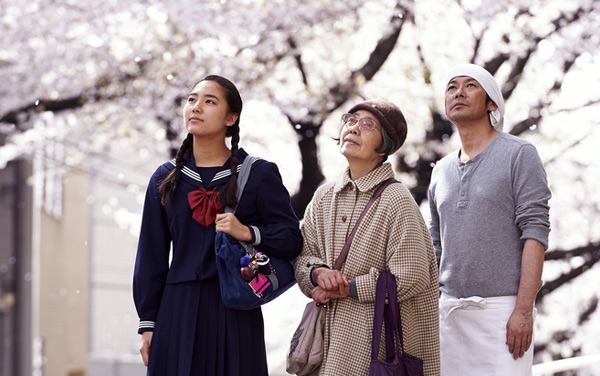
[[482, 211]]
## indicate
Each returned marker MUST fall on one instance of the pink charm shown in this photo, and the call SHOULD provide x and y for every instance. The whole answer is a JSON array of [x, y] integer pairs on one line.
[[259, 284]]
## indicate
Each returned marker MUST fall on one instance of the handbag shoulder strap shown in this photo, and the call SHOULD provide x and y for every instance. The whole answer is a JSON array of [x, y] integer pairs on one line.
[[388, 313], [394, 317], [242, 179], [344, 254]]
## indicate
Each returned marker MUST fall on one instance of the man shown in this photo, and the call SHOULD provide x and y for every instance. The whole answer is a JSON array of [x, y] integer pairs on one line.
[[489, 225]]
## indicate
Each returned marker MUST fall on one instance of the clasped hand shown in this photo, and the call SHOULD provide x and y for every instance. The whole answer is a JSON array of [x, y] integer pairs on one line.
[[331, 284]]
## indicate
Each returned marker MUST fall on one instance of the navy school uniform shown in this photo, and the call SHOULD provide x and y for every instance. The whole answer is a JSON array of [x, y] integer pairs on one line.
[[180, 300]]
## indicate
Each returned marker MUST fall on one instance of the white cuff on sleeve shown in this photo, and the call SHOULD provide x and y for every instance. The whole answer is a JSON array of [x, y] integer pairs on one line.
[[146, 325], [256, 235]]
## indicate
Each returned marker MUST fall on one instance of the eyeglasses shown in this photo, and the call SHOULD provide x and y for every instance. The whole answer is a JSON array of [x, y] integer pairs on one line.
[[364, 124]]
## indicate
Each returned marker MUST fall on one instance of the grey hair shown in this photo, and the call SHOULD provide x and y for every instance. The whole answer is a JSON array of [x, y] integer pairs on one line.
[[387, 145]]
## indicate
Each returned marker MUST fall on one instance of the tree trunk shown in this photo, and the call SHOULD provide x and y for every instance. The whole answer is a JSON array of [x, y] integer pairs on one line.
[[311, 170]]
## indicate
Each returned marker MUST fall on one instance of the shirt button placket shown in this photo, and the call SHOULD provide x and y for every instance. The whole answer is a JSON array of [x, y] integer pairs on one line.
[[462, 200]]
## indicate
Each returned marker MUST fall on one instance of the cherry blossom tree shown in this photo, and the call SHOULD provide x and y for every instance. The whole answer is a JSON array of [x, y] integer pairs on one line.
[[107, 78]]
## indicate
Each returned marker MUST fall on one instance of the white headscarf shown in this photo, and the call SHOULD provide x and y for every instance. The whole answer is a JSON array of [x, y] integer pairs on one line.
[[490, 86]]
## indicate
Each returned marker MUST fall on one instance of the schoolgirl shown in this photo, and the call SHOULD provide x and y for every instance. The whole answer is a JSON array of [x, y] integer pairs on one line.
[[186, 329]]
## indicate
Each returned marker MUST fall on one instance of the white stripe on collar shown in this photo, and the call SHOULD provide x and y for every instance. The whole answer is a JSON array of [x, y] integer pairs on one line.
[[196, 176]]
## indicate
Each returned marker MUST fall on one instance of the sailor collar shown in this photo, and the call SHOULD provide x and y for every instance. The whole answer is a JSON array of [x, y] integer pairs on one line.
[[189, 174]]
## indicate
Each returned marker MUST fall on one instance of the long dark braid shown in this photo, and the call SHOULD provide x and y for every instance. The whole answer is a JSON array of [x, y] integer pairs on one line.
[[167, 187], [227, 195]]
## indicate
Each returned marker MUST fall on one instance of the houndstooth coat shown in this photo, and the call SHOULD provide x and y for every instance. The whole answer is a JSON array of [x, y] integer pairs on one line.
[[392, 236]]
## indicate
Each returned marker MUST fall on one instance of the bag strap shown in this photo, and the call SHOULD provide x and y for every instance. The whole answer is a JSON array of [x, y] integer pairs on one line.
[[243, 175], [242, 179], [390, 314], [380, 295], [344, 254], [394, 318]]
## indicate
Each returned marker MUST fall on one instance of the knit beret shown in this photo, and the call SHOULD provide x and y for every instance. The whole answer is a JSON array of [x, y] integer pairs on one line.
[[390, 117]]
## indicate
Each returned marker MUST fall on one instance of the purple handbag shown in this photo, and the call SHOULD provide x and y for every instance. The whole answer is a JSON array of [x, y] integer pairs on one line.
[[397, 363]]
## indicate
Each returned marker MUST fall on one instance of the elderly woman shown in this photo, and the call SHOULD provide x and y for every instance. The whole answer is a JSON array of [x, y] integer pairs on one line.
[[392, 236]]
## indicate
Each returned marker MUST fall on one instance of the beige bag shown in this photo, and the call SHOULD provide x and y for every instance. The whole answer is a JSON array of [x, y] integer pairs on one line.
[[306, 348]]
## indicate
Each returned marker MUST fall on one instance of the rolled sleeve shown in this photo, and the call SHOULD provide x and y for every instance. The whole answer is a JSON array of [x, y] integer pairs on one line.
[[532, 195]]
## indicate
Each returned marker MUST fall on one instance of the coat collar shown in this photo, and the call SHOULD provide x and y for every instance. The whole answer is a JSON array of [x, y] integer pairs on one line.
[[367, 182]]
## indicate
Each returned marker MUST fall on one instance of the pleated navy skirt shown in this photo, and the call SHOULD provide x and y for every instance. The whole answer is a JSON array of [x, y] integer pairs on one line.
[[195, 334]]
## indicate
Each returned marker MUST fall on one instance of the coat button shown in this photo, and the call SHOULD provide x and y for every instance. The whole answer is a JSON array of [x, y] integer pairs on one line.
[[343, 218]]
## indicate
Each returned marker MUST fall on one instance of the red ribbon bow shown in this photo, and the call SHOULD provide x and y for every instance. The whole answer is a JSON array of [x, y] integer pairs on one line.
[[205, 206]]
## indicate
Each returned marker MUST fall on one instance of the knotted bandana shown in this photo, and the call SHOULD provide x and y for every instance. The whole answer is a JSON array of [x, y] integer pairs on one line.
[[205, 206], [490, 86]]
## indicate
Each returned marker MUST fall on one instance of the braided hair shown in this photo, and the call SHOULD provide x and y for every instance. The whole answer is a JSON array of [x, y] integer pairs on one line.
[[227, 195]]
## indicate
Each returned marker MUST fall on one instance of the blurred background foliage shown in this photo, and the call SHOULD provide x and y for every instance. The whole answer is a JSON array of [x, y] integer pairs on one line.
[[105, 80]]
